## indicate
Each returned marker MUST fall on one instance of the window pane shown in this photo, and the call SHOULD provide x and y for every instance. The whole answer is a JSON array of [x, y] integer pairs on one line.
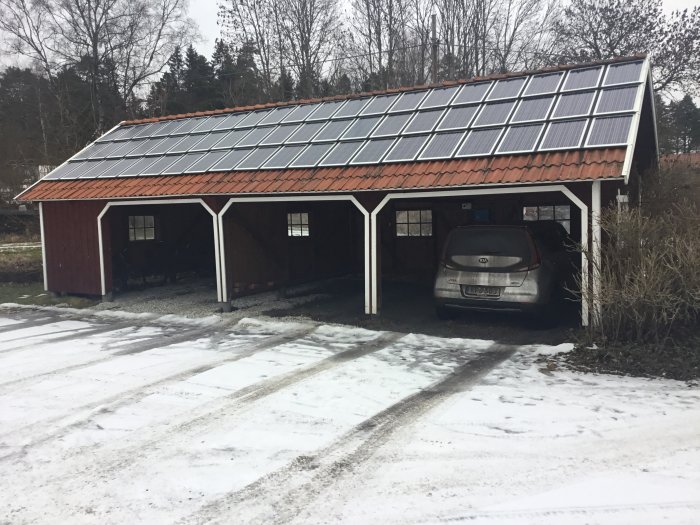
[[148, 221], [530, 213], [426, 229], [150, 234], [139, 221], [139, 234], [426, 215], [546, 213], [414, 216], [131, 221], [402, 216], [414, 230], [401, 229], [132, 235], [562, 212]]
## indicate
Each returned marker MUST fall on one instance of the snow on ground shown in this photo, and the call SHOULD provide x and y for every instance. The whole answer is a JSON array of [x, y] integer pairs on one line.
[[160, 420]]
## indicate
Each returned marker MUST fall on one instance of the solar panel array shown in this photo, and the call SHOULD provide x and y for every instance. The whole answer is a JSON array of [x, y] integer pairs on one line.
[[562, 110]]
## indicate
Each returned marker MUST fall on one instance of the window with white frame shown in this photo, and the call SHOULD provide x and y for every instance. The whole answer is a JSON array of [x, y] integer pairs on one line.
[[560, 213], [142, 228], [414, 223], [298, 224]]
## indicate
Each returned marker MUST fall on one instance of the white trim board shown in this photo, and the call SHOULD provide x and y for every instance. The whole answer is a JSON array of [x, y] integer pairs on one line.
[[146, 202]]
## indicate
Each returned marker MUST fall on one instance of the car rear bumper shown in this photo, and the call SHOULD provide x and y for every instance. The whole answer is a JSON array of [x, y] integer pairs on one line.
[[487, 305]]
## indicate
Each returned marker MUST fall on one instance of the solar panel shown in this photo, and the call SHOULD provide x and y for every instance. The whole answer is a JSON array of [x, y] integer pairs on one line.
[[106, 166], [83, 169], [392, 125], [521, 139], [62, 171], [164, 145], [333, 130], [231, 139], [230, 121], [373, 151], [210, 123], [472, 93], [256, 159], [206, 161], [280, 134], [254, 137], [423, 121], [276, 115], [479, 142], [182, 163], [351, 108], [116, 169], [116, 134], [439, 97], [574, 104], [406, 148], [458, 118], [166, 128], [311, 155], [408, 101], [530, 109], [507, 88], [93, 150], [185, 144], [341, 154], [120, 148], [494, 113], [379, 105], [326, 110], [208, 141], [253, 118], [232, 158], [616, 99], [543, 84], [283, 157], [623, 73], [144, 146], [300, 113], [361, 128], [161, 163], [566, 134], [306, 132], [137, 167], [442, 146], [188, 125], [609, 131], [582, 78], [145, 130]]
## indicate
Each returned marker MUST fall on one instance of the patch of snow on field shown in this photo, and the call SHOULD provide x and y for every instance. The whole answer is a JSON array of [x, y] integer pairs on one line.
[[274, 421]]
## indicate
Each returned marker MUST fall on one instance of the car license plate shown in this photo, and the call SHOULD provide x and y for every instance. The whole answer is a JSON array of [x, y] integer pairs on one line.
[[481, 291]]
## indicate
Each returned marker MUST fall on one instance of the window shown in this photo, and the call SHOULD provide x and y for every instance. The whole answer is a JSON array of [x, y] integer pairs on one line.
[[559, 213], [414, 223], [297, 225], [142, 228]]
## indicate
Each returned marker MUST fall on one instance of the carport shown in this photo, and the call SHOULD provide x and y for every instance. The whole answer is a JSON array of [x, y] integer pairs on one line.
[[366, 184]]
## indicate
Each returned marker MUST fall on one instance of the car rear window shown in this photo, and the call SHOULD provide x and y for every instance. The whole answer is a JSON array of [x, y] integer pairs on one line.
[[507, 242]]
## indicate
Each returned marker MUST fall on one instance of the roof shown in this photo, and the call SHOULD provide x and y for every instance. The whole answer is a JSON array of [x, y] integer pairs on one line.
[[598, 164], [559, 121]]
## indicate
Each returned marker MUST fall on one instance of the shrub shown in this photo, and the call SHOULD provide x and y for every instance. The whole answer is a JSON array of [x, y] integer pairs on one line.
[[650, 264]]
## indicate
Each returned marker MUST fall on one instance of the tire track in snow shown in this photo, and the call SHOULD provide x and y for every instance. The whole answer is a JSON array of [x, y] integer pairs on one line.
[[309, 476], [37, 320], [134, 395]]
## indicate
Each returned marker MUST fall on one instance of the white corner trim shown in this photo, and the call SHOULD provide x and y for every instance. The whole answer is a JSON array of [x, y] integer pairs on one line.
[[634, 126], [43, 246], [493, 191], [596, 250], [301, 198], [211, 212]]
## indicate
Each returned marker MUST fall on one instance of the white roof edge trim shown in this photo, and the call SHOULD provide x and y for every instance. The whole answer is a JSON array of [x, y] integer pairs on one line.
[[634, 126]]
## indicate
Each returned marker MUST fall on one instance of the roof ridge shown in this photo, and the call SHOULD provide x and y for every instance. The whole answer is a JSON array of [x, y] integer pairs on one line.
[[401, 89]]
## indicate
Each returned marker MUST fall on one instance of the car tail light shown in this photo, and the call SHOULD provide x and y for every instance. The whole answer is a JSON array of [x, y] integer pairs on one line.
[[535, 258]]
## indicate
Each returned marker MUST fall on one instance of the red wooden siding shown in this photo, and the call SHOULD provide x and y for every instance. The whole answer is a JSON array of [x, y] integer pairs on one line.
[[72, 247]]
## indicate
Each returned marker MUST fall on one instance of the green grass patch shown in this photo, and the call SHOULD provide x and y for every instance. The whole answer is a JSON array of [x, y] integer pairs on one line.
[[33, 293]]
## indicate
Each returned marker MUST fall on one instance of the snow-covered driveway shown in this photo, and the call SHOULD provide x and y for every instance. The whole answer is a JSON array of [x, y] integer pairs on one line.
[[112, 419]]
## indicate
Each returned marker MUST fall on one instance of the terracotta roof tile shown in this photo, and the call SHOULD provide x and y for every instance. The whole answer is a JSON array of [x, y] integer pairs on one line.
[[592, 164]]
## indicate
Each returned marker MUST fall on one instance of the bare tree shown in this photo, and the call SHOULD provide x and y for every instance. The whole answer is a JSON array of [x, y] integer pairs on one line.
[[310, 29], [599, 29], [121, 43]]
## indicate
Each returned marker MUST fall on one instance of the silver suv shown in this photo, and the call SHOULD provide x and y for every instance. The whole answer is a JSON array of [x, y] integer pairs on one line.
[[523, 268]]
